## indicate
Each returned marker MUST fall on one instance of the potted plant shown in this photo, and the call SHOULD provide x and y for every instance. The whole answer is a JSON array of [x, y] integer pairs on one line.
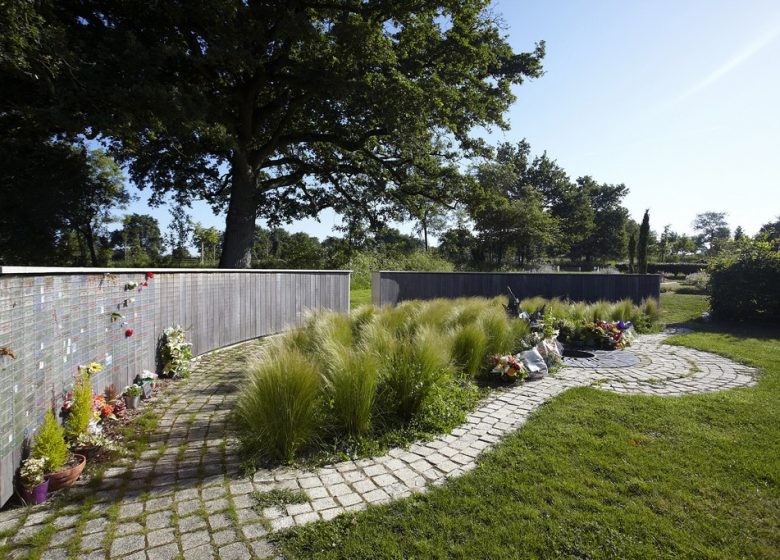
[[91, 444], [133, 396], [34, 486], [49, 446]]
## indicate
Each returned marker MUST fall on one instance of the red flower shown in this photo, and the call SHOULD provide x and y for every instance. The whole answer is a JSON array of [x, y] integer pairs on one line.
[[145, 284], [150, 274], [129, 333]]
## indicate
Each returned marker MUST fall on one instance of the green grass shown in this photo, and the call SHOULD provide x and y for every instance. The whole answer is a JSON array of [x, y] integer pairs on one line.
[[359, 296], [682, 308], [599, 475]]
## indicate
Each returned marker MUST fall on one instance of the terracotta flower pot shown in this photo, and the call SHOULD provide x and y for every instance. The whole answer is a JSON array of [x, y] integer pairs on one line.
[[37, 495], [65, 478]]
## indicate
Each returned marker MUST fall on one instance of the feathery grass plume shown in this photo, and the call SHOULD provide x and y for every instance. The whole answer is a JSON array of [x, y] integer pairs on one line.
[[278, 407], [623, 310], [414, 368], [299, 338], [494, 323], [469, 311], [533, 304], [378, 340], [361, 317], [435, 313], [50, 443], [600, 311], [520, 330], [391, 319], [80, 414], [332, 327], [651, 311], [469, 348], [557, 308], [351, 377], [579, 312]]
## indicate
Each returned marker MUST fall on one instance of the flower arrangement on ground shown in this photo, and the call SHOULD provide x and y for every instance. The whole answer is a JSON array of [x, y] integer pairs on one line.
[[508, 368], [175, 352]]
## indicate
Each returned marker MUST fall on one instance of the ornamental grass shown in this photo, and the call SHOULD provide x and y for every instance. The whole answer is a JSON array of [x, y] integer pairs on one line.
[[346, 378]]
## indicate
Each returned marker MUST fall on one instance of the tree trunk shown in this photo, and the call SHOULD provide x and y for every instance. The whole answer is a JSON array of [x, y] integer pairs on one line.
[[91, 244], [241, 216]]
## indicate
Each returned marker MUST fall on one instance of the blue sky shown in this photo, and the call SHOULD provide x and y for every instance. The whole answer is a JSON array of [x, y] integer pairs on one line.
[[678, 100]]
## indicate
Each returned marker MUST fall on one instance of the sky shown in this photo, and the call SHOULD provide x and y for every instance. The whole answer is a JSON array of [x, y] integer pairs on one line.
[[678, 100]]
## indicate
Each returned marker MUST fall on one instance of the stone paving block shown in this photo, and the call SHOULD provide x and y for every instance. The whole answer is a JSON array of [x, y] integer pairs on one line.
[[214, 506], [190, 506], [296, 509], [161, 536], [202, 552], [194, 539], [363, 486], [156, 504], [262, 548], [219, 521], [95, 525], [247, 515], [224, 537], [282, 523], [125, 545], [235, 551], [165, 552], [191, 523], [332, 513], [55, 554], [254, 531], [305, 518], [349, 499], [128, 528]]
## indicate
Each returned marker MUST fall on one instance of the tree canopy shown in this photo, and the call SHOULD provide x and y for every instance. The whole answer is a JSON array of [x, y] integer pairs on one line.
[[281, 109]]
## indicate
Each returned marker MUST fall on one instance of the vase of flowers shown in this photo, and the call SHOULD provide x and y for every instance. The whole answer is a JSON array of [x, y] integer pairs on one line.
[[33, 484], [133, 396]]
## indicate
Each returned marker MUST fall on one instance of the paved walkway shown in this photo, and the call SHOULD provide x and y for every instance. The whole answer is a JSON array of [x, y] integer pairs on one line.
[[185, 497]]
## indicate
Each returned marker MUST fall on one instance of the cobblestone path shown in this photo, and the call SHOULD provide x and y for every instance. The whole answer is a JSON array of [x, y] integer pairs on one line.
[[185, 498]]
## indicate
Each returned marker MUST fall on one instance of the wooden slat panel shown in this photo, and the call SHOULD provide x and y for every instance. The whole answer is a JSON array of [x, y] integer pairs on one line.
[[394, 287]]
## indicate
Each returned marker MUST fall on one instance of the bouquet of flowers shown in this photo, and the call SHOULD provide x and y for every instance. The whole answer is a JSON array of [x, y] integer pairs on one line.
[[610, 336], [508, 368], [101, 408]]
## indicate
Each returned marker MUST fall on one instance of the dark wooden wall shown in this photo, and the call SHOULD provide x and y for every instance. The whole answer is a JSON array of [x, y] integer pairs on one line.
[[55, 319], [393, 287]]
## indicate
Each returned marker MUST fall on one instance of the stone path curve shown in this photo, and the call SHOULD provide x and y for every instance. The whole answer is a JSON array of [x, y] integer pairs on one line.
[[184, 498]]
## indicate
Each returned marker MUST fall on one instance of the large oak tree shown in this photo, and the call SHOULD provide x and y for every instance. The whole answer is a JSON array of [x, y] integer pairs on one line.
[[279, 109]]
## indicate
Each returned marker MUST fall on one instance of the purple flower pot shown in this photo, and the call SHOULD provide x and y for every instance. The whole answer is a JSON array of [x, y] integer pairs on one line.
[[37, 495]]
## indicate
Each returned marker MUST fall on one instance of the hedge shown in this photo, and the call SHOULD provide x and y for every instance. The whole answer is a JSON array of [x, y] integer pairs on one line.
[[745, 284]]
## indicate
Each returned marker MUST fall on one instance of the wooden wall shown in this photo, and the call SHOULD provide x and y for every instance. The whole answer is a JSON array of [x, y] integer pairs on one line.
[[55, 319], [389, 288]]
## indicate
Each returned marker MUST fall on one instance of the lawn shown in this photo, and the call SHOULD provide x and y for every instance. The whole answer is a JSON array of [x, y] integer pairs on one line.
[[359, 296], [682, 308], [600, 475]]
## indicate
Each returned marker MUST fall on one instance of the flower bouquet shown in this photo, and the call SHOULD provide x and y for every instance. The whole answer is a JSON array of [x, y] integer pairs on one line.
[[508, 368]]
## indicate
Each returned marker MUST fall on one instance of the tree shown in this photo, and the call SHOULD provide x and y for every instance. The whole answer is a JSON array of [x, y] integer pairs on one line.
[[179, 232], [713, 228], [208, 241], [739, 234], [641, 249], [607, 240], [307, 105], [770, 233], [139, 242], [631, 252]]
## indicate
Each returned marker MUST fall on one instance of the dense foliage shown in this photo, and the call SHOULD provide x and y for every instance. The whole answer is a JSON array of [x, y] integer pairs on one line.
[[384, 375], [49, 443], [745, 283]]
